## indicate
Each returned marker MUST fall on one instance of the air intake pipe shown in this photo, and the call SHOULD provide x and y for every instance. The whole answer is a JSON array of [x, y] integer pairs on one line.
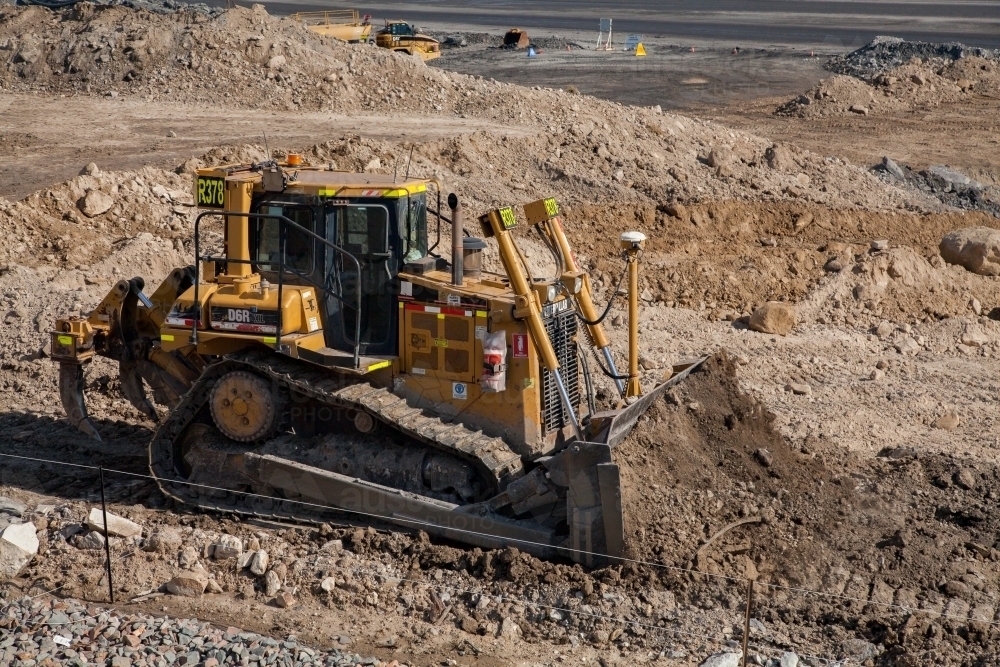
[[457, 249]]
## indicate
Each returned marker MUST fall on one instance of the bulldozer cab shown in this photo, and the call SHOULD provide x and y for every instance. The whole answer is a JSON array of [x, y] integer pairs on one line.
[[377, 233]]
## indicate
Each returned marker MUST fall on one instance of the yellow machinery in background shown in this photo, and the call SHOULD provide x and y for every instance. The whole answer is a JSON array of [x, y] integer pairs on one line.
[[404, 37], [327, 363], [346, 24]]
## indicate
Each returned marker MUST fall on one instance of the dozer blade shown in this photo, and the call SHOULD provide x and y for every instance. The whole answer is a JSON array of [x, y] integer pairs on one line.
[[615, 425], [71, 393], [134, 390]]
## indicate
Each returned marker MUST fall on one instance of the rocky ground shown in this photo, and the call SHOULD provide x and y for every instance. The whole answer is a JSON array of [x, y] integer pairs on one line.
[[849, 450]]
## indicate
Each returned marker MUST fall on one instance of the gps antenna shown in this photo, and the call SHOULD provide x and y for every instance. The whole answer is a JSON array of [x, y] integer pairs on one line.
[[408, 162]]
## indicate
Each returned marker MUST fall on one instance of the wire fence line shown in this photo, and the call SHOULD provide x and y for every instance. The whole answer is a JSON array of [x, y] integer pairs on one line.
[[801, 591]]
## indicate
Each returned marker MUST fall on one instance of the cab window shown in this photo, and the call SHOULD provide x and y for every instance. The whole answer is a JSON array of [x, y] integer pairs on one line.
[[265, 240]]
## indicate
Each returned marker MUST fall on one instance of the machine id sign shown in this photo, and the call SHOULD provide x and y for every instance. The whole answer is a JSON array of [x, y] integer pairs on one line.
[[519, 343], [211, 192]]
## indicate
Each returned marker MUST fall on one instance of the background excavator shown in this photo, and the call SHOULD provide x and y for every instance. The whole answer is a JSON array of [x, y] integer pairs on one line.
[[329, 365]]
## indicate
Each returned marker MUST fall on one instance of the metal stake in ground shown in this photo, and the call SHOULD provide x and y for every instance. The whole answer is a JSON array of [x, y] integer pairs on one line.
[[107, 539], [746, 622]]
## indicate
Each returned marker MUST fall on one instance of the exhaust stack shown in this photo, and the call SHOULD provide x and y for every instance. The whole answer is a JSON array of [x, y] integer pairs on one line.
[[457, 249]]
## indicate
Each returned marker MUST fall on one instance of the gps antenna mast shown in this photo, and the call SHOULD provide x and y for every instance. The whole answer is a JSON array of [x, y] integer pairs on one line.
[[408, 162]]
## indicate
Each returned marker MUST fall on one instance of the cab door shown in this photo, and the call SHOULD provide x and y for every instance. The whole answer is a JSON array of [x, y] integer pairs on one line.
[[363, 231]]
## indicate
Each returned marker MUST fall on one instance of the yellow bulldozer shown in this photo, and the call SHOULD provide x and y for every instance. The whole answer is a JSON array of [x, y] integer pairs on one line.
[[404, 37], [327, 364]]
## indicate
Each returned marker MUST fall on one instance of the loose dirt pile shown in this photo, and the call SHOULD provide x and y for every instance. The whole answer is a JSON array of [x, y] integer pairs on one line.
[[906, 529]]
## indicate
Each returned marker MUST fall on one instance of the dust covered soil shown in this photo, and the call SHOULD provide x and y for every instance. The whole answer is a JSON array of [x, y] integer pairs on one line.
[[854, 458]]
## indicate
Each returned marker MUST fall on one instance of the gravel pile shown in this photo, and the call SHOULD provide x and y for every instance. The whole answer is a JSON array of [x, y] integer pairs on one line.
[[68, 632], [885, 53], [953, 188]]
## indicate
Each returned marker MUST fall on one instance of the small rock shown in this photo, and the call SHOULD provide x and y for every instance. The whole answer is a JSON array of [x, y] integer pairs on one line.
[[164, 540], [373, 165], [764, 457], [882, 365], [258, 562], [956, 589], [228, 546], [187, 557], [834, 265], [90, 170], [95, 203], [858, 109], [92, 541], [907, 346], [719, 157], [774, 317], [799, 389], [965, 479], [18, 544], [285, 600], [880, 245], [272, 583], [329, 584], [722, 660], [877, 375], [469, 624], [884, 330], [890, 166], [789, 659], [947, 421], [386, 642], [213, 587], [918, 79], [509, 628], [117, 526], [8, 506], [276, 61], [976, 306], [171, 134], [189, 584], [974, 337]]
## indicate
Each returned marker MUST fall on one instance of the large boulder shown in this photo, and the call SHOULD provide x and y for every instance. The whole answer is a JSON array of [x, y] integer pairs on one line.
[[188, 584], [774, 317], [975, 248], [18, 543], [95, 203]]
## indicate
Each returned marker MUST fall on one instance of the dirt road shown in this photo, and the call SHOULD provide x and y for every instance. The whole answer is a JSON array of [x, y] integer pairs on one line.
[[129, 134]]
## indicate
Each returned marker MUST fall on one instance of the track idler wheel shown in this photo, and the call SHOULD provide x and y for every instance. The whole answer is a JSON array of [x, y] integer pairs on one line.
[[244, 406]]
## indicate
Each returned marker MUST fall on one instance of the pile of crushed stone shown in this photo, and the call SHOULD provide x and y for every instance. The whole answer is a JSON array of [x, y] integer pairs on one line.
[[886, 53], [914, 84]]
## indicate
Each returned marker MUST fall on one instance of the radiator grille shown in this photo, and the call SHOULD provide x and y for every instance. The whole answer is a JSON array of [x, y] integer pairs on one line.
[[562, 330]]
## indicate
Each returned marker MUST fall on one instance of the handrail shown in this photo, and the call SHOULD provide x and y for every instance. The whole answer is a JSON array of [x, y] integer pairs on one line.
[[283, 224], [339, 16]]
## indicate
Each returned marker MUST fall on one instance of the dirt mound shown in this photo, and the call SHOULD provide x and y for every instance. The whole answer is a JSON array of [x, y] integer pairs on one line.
[[713, 450], [915, 84], [885, 53], [709, 483]]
